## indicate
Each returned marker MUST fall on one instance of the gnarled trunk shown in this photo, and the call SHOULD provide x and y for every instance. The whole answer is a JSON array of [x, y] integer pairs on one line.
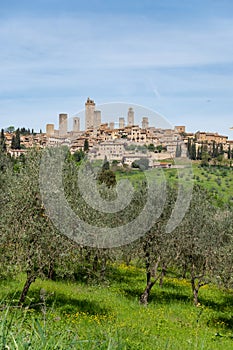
[[151, 273], [149, 284], [185, 268], [163, 273], [195, 290], [30, 279], [51, 271], [145, 295], [95, 263], [103, 268]]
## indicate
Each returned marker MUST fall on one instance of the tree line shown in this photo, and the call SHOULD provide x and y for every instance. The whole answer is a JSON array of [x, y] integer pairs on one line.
[[15, 139], [205, 151]]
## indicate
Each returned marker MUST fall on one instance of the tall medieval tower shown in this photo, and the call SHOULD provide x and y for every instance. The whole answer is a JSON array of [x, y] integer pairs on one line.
[[63, 124], [130, 116], [76, 124], [89, 113], [145, 123], [97, 119], [121, 122]]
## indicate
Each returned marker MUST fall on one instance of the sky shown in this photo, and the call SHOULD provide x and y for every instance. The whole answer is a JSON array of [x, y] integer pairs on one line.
[[172, 56]]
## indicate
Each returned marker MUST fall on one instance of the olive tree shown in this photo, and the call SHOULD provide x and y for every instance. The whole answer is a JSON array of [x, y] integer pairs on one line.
[[158, 248], [33, 244], [201, 238]]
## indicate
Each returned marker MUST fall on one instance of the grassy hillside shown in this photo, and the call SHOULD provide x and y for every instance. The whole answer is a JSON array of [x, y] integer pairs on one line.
[[68, 315], [218, 180]]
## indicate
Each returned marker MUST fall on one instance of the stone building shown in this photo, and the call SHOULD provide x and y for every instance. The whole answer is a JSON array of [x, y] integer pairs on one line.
[[111, 125], [105, 139], [76, 124], [97, 119], [50, 129], [145, 123], [121, 122], [180, 129], [210, 137], [89, 113], [63, 124], [130, 117], [111, 150]]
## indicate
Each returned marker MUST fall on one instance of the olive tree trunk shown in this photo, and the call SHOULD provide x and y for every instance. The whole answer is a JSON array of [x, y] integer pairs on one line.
[[30, 279]]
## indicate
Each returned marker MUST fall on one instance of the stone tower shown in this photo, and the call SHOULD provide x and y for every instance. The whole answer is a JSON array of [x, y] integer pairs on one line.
[[97, 119], [145, 123], [63, 124], [49, 130], [121, 123], [76, 124], [89, 113], [130, 116], [111, 125]]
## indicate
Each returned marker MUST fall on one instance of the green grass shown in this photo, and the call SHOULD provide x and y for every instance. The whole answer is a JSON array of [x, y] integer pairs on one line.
[[80, 316], [217, 180]]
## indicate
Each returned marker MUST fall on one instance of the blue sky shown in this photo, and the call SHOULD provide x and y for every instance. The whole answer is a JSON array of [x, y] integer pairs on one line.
[[175, 57]]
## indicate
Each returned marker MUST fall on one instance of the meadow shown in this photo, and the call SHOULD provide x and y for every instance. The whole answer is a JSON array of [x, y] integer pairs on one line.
[[217, 180], [75, 315]]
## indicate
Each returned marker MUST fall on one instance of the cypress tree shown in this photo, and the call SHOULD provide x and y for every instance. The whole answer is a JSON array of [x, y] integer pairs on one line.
[[2, 141], [201, 150], [13, 143], [214, 149], [221, 151], [86, 145], [189, 148], [199, 153], [17, 139], [229, 152], [178, 150], [193, 151], [106, 165]]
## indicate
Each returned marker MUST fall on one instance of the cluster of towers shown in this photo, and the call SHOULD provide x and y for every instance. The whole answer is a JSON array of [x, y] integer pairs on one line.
[[63, 126], [93, 118], [92, 121]]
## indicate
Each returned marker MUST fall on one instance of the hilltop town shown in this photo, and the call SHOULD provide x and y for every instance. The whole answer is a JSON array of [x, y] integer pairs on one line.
[[127, 141]]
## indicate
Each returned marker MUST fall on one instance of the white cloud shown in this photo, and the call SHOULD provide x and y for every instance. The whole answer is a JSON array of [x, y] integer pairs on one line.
[[45, 60], [112, 43]]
